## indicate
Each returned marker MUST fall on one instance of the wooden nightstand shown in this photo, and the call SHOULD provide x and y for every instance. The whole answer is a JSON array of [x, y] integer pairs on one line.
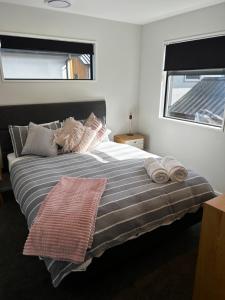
[[136, 140], [5, 185], [210, 271]]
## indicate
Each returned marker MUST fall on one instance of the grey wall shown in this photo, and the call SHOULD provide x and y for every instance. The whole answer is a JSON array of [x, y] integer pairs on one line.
[[117, 61], [200, 148]]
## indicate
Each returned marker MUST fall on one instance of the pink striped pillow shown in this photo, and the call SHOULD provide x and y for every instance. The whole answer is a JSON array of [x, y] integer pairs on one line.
[[87, 139], [96, 124], [98, 138], [93, 122]]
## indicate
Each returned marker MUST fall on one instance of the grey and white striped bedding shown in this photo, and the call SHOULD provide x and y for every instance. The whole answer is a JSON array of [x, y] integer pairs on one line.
[[130, 206]]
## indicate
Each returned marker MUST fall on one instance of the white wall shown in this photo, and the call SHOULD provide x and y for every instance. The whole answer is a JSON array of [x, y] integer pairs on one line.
[[200, 148], [118, 53]]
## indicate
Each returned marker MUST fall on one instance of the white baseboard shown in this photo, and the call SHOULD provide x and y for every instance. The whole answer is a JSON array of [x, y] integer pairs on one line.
[[218, 193]]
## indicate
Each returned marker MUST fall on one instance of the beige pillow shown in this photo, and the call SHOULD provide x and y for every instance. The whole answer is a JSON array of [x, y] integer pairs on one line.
[[86, 140], [69, 136]]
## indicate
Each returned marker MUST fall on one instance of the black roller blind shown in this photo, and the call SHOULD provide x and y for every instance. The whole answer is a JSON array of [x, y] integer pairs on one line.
[[26, 43], [197, 54]]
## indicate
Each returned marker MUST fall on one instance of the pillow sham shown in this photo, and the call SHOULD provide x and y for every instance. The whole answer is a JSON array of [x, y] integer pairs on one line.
[[96, 124], [93, 122], [18, 135], [87, 139], [40, 141], [69, 136], [98, 138], [106, 135]]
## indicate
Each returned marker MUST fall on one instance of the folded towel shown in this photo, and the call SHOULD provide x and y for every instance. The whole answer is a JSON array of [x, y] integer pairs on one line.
[[155, 170], [175, 169]]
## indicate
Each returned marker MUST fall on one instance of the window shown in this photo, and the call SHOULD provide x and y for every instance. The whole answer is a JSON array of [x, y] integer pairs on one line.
[[195, 95], [38, 59], [191, 77], [200, 101]]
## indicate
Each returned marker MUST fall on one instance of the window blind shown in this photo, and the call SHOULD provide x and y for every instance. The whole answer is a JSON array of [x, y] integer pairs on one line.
[[27, 43], [206, 53]]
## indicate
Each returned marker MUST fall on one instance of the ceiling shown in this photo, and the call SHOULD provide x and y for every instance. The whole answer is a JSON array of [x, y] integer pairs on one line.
[[131, 11]]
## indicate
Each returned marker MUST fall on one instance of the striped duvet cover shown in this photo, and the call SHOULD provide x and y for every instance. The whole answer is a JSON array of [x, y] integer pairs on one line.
[[131, 205]]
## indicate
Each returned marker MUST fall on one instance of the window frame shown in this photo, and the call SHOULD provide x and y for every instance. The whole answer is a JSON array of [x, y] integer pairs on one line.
[[167, 90], [164, 86], [93, 65]]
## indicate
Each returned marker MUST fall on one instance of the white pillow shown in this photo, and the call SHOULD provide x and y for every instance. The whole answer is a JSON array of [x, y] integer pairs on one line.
[[106, 135]]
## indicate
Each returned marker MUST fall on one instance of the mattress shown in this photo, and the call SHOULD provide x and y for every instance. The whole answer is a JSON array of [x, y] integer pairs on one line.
[[130, 206], [12, 159]]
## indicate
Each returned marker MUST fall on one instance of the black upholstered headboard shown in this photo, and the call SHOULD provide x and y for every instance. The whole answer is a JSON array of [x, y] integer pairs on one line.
[[43, 113]]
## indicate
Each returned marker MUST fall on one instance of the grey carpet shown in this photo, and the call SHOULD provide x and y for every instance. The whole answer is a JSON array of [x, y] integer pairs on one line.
[[135, 270]]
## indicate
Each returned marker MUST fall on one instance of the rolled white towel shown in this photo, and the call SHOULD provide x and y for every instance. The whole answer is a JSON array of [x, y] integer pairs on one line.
[[175, 169], [155, 170]]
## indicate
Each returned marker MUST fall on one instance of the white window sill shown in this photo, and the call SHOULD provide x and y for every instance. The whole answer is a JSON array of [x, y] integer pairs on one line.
[[192, 123], [46, 80]]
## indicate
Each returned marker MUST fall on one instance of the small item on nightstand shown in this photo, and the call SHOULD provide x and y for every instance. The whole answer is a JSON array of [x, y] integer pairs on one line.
[[130, 124]]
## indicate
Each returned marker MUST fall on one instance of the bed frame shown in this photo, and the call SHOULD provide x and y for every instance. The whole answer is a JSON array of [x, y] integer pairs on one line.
[[43, 113]]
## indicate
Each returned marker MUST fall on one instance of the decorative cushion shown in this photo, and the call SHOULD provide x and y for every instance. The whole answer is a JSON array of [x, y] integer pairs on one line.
[[76, 137], [87, 139], [69, 136], [98, 138], [39, 141], [19, 135], [93, 122]]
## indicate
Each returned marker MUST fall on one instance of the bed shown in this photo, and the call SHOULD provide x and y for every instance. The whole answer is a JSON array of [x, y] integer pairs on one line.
[[131, 204]]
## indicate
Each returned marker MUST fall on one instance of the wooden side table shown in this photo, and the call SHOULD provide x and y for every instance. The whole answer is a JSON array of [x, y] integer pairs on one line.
[[136, 140], [210, 271]]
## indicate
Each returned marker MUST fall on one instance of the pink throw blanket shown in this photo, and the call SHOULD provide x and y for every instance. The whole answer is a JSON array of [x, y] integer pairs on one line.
[[65, 223]]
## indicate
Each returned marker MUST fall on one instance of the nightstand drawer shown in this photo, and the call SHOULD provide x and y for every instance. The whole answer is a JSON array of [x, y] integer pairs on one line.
[[135, 140], [139, 143]]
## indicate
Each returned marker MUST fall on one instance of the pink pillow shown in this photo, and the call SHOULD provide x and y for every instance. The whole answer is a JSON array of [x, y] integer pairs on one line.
[[87, 139], [70, 135], [76, 137], [98, 138], [93, 122]]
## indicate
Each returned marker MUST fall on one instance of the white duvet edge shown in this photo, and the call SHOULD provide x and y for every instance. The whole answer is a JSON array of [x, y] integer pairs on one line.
[[12, 159], [84, 266]]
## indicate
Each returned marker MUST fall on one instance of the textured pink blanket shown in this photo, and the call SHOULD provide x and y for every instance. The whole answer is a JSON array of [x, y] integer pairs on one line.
[[65, 223]]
